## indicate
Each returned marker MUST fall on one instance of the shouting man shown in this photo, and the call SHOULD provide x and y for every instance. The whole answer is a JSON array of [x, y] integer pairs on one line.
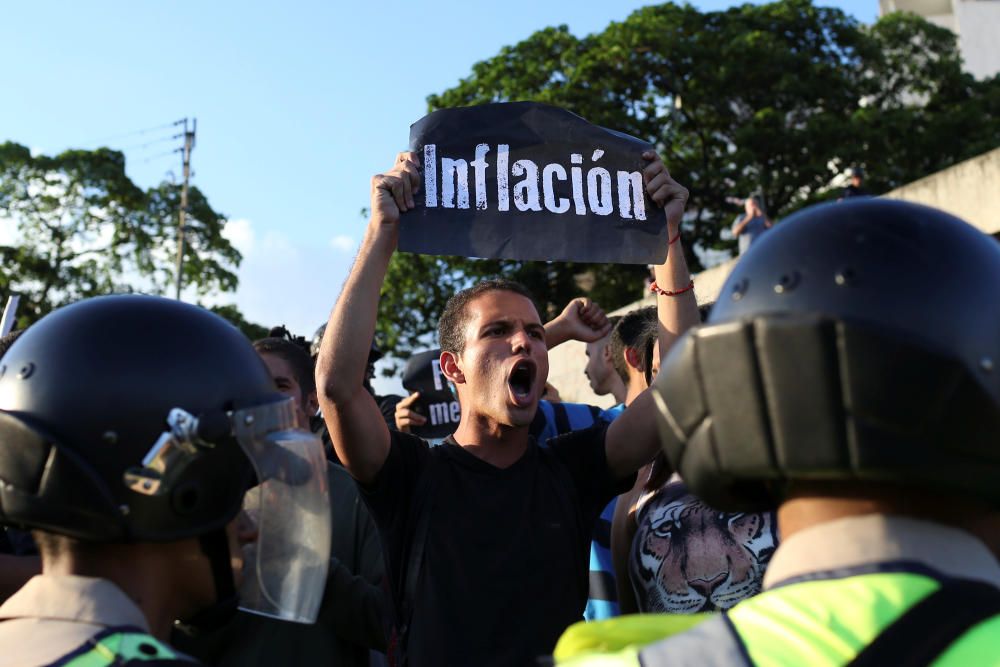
[[487, 536]]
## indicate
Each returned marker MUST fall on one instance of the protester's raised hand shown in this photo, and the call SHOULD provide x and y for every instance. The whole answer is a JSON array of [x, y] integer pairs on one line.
[[407, 417], [392, 192], [664, 190], [583, 320]]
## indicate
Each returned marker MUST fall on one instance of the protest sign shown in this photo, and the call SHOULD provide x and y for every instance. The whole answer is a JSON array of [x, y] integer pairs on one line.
[[529, 181], [423, 373]]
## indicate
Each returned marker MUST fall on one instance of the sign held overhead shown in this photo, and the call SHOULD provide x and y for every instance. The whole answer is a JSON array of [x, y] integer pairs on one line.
[[530, 181]]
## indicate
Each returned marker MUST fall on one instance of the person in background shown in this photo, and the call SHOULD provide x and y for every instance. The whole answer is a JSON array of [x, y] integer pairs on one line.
[[856, 187], [600, 369], [753, 224]]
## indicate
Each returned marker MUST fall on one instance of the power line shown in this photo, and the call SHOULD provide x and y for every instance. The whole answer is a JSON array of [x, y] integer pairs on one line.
[[164, 154], [135, 132], [152, 143]]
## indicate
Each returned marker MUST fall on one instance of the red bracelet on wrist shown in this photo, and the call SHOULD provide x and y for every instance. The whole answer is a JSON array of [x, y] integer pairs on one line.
[[656, 289], [675, 239]]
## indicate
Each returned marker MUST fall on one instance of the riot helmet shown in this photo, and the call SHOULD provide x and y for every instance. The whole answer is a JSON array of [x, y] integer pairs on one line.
[[141, 419], [856, 341]]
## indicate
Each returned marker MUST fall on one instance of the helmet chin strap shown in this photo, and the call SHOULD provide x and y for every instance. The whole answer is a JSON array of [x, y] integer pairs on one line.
[[215, 546]]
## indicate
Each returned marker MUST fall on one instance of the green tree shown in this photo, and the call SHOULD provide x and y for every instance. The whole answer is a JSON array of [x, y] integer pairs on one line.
[[251, 330], [920, 112], [83, 228], [773, 99]]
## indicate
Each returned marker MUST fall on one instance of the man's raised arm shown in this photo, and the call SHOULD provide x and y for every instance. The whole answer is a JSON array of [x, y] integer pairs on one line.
[[632, 439], [357, 429]]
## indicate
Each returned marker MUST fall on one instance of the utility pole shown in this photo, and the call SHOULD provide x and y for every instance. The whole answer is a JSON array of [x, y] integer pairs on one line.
[[182, 216]]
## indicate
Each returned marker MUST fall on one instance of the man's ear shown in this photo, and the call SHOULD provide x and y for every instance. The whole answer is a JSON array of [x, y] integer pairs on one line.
[[450, 368], [632, 358]]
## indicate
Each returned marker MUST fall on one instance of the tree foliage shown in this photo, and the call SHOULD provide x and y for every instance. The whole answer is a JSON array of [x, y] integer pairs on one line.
[[231, 313], [82, 228], [774, 99]]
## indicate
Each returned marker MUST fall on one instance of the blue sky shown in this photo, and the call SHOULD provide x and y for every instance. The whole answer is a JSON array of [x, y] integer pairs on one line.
[[298, 104]]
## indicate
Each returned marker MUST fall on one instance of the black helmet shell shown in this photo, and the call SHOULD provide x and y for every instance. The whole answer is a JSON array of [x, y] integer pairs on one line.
[[85, 393], [854, 341]]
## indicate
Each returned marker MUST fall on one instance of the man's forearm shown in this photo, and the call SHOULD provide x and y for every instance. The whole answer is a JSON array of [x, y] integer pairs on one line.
[[555, 333], [635, 441], [357, 428], [676, 313]]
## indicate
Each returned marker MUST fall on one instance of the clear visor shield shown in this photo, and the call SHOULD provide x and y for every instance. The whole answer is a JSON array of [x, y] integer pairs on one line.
[[284, 570]]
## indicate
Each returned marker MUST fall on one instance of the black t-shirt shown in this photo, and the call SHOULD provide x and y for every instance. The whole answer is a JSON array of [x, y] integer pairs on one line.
[[507, 552]]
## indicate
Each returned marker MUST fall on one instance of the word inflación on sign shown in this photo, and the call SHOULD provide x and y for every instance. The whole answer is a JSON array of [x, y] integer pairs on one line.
[[436, 402], [529, 181]]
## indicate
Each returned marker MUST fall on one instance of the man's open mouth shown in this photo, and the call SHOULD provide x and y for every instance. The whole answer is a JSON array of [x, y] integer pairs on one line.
[[522, 379]]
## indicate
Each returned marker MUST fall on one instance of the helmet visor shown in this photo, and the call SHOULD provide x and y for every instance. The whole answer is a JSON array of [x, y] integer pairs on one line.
[[284, 571]]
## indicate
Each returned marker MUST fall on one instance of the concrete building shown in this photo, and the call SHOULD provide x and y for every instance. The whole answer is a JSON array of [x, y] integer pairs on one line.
[[969, 190], [975, 22]]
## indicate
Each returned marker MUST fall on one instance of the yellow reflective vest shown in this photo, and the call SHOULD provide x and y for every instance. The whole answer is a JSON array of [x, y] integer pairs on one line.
[[820, 623], [120, 646]]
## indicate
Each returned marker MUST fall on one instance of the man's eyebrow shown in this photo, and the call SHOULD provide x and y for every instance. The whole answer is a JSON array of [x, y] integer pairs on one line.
[[494, 322], [535, 326], [508, 322]]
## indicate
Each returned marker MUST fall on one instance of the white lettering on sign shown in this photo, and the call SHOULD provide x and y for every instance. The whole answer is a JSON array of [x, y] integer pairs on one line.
[[479, 165], [535, 184], [430, 176], [630, 187], [451, 171], [526, 192], [550, 171], [445, 413], [503, 197], [438, 375], [577, 172], [599, 196]]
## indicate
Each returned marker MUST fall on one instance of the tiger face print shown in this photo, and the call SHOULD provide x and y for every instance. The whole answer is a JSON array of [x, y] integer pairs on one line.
[[687, 557]]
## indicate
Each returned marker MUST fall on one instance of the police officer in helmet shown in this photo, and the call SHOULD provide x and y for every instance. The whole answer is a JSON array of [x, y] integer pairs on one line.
[[131, 429], [848, 374]]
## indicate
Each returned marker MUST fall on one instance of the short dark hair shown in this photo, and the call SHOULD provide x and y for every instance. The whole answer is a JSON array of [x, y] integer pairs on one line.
[[451, 334], [629, 333], [296, 357]]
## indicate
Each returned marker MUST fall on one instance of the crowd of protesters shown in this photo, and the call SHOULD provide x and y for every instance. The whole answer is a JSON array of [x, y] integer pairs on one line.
[[762, 492]]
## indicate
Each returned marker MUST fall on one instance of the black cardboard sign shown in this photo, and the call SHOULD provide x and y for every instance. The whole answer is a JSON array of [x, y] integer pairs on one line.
[[423, 373], [529, 181]]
